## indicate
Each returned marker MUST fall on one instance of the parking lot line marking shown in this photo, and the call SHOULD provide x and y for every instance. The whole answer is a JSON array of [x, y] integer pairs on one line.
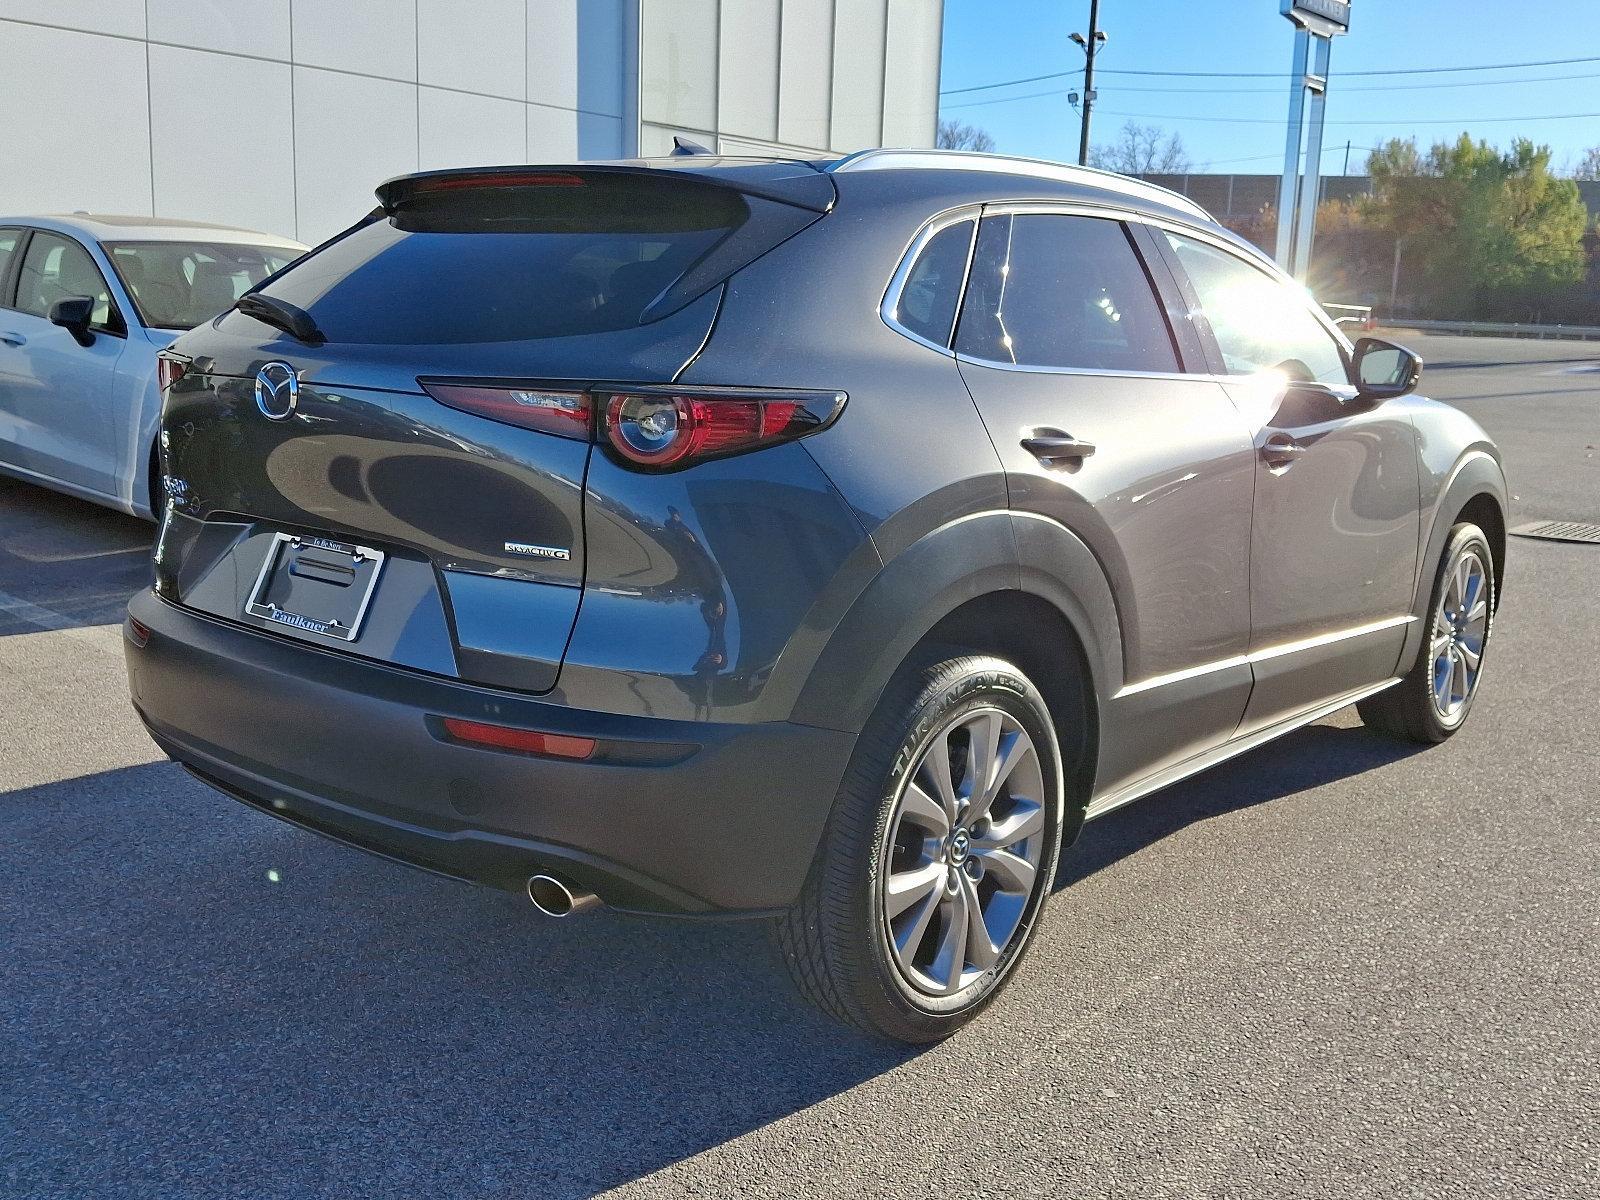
[[49, 620]]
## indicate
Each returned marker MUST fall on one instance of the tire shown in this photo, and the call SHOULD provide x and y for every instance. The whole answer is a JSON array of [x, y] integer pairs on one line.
[[839, 941], [1429, 705]]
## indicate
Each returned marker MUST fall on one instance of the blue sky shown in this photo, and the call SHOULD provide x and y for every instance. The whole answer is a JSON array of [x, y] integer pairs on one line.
[[990, 40]]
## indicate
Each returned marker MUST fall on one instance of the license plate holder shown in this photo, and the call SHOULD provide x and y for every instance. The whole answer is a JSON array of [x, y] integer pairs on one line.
[[316, 585]]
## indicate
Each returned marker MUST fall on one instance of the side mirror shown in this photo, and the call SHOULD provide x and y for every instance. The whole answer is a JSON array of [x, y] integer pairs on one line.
[[1384, 370], [74, 315]]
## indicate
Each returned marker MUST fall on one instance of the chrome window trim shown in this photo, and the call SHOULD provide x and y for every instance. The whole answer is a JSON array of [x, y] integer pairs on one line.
[[889, 308]]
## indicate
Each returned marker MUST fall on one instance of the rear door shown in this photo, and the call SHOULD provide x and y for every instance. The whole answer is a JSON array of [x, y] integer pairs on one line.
[[1334, 546], [1079, 375], [56, 395]]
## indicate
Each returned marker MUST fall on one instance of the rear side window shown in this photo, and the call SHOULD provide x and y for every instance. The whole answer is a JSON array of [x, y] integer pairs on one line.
[[56, 268], [497, 264], [1050, 290], [926, 304]]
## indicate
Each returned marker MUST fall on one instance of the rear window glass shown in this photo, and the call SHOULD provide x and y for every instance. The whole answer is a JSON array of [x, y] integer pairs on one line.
[[512, 263], [177, 285]]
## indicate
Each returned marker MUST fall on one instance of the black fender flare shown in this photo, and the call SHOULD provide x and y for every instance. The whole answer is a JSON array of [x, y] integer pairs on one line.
[[1476, 473], [969, 557]]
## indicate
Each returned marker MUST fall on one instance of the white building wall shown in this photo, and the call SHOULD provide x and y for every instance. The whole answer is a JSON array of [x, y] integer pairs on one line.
[[283, 115], [813, 76]]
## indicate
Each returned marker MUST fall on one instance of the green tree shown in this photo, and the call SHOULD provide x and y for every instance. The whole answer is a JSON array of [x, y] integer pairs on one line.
[[1483, 231]]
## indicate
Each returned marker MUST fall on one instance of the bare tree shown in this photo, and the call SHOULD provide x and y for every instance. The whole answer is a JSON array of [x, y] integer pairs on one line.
[[1588, 164], [958, 135], [1142, 150]]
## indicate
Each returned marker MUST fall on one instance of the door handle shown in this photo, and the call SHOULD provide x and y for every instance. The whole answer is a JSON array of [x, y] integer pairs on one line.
[[1055, 447], [1280, 451], [13, 339]]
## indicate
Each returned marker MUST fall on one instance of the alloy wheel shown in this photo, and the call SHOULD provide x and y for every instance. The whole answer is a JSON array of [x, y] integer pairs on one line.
[[1460, 628], [963, 849]]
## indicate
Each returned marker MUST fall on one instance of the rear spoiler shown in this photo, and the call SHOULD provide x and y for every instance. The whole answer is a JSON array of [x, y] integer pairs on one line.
[[789, 182]]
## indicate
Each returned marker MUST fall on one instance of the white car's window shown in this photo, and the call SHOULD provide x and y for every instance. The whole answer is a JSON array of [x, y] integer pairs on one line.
[[178, 285], [8, 247], [1260, 324], [57, 268], [1050, 290]]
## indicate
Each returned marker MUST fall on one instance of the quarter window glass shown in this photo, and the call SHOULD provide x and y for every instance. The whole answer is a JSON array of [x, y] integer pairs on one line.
[[1060, 291], [927, 303], [56, 268], [1260, 324]]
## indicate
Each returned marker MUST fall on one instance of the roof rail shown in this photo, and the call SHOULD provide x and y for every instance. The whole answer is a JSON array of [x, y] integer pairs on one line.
[[1006, 164]]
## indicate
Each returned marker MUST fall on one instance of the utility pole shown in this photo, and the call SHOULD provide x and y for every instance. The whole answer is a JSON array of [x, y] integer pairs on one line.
[[1090, 45]]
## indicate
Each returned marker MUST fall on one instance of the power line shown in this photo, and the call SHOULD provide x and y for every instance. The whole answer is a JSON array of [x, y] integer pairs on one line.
[[1381, 87], [1548, 62], [1366, 121]]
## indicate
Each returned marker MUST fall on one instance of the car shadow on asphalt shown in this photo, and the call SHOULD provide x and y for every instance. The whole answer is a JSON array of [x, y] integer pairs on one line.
[[241, 1007], [206, 989], [66, 563], [1308, 758]]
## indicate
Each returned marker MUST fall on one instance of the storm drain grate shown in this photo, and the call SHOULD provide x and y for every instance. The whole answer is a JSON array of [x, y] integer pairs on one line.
[[1560, 531]]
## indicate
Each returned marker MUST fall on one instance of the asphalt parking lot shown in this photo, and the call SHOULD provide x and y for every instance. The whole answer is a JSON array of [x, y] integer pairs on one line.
[[1337, 966]]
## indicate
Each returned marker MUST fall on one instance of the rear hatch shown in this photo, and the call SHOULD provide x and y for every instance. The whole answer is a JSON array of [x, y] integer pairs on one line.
[[402, 477]]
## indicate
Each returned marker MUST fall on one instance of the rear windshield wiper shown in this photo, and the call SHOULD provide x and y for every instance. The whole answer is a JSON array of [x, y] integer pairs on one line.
[[294, 321]]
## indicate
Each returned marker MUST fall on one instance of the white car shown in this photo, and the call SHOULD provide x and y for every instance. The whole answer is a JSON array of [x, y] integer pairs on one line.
[[86, 303]]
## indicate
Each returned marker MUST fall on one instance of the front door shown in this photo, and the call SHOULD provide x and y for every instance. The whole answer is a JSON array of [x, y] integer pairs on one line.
[[1068, 352], [1334, 544], [56, 415]]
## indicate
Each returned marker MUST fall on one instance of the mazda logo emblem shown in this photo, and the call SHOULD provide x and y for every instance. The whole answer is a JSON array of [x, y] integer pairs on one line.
[[277, 391]]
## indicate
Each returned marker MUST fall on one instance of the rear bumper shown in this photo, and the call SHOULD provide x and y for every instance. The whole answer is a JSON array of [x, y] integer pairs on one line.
[[669, 816]]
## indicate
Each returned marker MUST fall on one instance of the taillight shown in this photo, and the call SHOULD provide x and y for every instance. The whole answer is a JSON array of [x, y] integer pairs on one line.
[[565, 414], [169, 370], [660, 427], [654, 427]]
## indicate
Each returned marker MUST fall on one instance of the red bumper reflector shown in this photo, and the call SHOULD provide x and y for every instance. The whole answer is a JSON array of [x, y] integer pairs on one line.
[[528, 741], [138, 632]]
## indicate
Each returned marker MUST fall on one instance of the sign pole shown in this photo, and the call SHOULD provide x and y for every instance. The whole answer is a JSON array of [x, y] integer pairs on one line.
[[1291, 150], [1317, 23]]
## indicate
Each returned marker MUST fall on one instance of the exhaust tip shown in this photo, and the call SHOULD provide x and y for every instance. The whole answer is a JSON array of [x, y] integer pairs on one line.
[[554, 898]]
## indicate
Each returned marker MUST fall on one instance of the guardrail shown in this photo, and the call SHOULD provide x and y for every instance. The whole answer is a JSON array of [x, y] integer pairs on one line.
[[1494, 328], [1350, 314]]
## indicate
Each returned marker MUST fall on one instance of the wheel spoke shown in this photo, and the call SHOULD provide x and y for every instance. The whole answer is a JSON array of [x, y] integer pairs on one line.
[[951, 958], [1458, 685], [904, 888], [1012, 872], [1441, 643], [983, 733], [1025, 821], [924, 810], [1471, 651], [934, 773], [1013, 750], [1462, 575], [910, 935], [981, 950]]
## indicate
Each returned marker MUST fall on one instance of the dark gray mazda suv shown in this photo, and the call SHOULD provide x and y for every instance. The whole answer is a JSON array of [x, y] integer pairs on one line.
[[817, 541]]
